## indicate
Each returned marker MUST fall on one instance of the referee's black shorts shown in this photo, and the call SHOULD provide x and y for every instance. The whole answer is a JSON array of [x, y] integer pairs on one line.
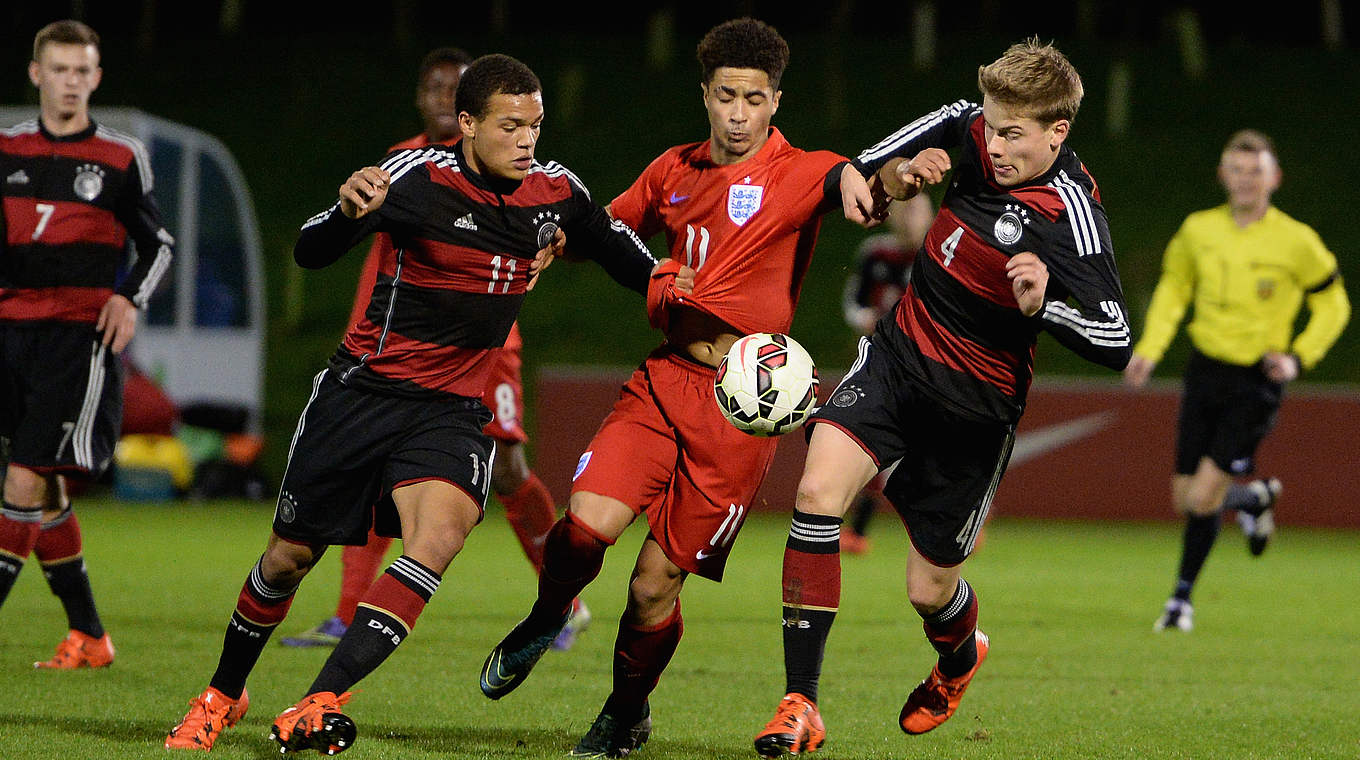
[[353, 447], [949, 465], [1226, 411]]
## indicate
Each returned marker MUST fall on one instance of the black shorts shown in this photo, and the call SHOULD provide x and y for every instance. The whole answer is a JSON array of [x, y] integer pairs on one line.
[[353, 447], [62, 397], [949, 465], [1226, 411]]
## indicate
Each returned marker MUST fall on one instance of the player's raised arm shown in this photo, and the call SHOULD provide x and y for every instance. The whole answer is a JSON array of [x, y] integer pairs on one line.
[[943, 128], [609, 242], [327, 236], [1095, 324]]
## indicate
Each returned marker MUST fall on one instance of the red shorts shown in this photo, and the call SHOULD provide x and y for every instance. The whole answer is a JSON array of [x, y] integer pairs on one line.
[[666, 450], [504, 396]]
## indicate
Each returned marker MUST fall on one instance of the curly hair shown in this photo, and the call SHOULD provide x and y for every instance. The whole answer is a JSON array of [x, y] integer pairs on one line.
[[494, 74], [744, 43]]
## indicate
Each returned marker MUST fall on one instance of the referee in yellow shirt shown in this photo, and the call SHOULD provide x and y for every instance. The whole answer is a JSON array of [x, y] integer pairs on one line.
[[1247, 267]]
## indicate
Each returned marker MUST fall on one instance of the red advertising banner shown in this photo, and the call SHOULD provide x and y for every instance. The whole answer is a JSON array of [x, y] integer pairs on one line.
[[1086, 449]]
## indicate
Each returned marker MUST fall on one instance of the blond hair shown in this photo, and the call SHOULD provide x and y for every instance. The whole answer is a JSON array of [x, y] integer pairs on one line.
[[1034, 78]]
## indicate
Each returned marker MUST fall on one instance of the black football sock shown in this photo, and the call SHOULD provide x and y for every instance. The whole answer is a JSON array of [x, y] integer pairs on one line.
[[811, 594], [384, 618], [70, 582], [951, 631], [61, 552], [259, 609], [1200, 534]]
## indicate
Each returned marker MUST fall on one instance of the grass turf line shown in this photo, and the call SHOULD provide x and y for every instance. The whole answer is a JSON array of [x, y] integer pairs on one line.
[[1076, 671]]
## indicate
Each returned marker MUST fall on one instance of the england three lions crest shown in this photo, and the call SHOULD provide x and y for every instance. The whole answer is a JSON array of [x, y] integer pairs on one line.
[[743, 201]]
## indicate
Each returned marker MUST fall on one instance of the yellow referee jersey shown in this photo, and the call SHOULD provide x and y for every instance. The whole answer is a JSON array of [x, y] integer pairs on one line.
[[1247, 285]]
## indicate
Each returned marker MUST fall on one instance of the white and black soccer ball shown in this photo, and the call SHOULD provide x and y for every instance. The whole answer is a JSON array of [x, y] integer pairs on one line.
[[766, 384]]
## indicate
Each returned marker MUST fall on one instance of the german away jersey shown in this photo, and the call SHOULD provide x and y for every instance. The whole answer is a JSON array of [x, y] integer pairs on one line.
[[448, 293], [70, 205], [958, 328]]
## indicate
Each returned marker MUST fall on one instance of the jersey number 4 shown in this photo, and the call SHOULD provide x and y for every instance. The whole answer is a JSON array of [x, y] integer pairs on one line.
[[950, 245]]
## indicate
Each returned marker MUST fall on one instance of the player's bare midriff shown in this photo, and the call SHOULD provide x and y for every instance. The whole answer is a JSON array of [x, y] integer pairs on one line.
[[702, 336]]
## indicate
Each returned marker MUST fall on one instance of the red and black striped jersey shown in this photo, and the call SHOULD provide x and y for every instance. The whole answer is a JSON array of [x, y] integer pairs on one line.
[[452, 284], [70, 205], [958, 328]]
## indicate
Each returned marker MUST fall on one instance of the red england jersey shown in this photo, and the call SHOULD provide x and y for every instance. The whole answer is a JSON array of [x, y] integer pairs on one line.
[[747, 229]]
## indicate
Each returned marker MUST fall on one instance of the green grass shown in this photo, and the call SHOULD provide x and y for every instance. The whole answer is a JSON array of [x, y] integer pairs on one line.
[[1076, 671]]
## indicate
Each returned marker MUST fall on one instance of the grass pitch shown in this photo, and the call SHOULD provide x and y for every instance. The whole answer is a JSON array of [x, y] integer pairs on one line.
[[1271, 670]]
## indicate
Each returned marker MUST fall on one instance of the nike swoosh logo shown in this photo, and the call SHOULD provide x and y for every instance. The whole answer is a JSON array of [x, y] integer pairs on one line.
[[494, 675], [702, 554], [677, 198], [1036, 443]]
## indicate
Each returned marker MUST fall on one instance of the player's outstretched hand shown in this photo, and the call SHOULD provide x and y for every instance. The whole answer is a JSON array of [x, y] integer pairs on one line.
[[857, 200], [1029, 279], [364, 191], [1138, 371], [545, 256], [117, 321], [904, 180]]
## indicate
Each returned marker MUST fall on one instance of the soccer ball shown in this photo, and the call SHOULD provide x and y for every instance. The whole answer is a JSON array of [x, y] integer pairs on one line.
[[766, 384]]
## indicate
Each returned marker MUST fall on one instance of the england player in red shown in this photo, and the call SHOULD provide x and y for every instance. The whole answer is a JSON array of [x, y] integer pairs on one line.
[[942, 383], [75, 192], [740, 212], [528, 504], [392, 434]]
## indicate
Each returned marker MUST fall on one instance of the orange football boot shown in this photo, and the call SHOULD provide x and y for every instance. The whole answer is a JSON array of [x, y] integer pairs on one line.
[[795, 728], [209, 713], [80, 650], [316, 723], [936, 698]]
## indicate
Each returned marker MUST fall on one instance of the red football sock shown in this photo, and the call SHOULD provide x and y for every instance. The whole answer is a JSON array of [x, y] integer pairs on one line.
[[531, 513], [19, 528], [59, 539], [950, 631], [640, 656], [359, 565], [572, 558]]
